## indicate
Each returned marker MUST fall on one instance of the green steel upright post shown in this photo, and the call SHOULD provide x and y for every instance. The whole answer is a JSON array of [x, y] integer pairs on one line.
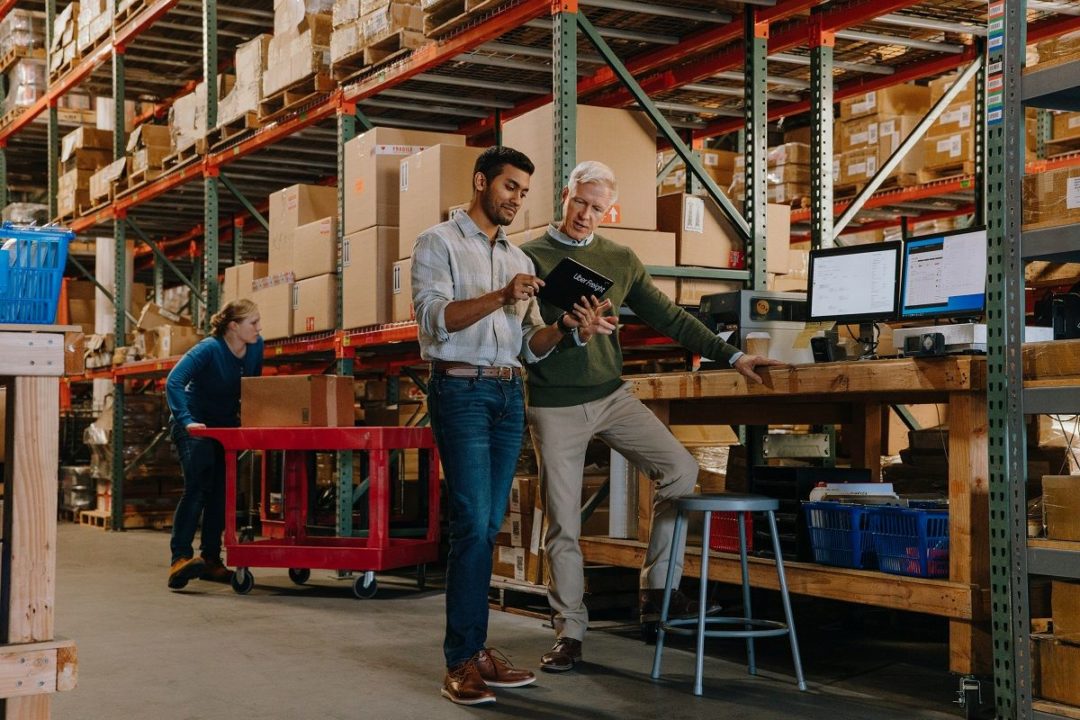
[[980, 141], [1004, 383], [120, 293], [821, 133], [346, 127], [1044, 132], [564, 89], [159, 281], [211, 207], [237, 241], [53, 133], [755, 107], [198, 306]]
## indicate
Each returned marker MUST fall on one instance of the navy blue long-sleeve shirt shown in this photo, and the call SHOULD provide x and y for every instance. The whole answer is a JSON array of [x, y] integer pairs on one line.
[[204, 386]]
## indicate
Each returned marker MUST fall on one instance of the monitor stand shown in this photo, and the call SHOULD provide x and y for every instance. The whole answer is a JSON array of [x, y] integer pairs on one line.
[[868, 340]]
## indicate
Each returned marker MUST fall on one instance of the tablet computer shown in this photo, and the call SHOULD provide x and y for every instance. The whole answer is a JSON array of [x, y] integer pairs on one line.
[[569, 281]]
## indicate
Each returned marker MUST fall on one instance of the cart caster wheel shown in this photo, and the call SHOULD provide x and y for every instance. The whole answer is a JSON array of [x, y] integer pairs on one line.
[[242, 581], [365, 586], [299, 575], [247, 535], [649, 632], [421, 576]]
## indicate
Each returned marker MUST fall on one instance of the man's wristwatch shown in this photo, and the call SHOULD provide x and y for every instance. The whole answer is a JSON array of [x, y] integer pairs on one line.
[[563, 327]]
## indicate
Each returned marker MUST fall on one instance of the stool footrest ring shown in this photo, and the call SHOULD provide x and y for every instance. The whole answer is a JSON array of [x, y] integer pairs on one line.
[[761, 628]]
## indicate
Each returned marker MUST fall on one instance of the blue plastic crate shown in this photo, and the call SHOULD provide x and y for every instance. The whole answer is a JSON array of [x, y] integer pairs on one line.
[[840, 534], [911, 541], [32, 264]]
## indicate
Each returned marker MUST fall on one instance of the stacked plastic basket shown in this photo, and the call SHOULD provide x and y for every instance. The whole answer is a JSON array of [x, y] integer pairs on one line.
[[896, 540], [32, 261]]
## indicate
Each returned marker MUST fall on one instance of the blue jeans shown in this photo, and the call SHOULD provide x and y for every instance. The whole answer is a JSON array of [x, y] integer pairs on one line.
[[478, 425], [203, 463]]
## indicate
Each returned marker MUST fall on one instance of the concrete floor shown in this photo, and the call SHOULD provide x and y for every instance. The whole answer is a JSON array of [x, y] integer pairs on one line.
[[317, 652]]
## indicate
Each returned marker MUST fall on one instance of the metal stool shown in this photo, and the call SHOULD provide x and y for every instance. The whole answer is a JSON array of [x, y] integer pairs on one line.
[[751, 628]]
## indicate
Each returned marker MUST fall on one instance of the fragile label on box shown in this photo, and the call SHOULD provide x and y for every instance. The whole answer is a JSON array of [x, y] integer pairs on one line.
[[693, 214], [397, 149]]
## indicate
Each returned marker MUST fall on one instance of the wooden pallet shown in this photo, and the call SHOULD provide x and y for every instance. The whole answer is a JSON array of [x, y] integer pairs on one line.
[[393, 46], [181, 157], [346, 68], [294, 96], [893, 183], [99, 204], [1060, 146], [153, 519], [228, 132], [10, 115], [927, 175], [13, 55], [129, 13], [137, 180], [64, 220], [445, 17], [66, 67], [68, 514]]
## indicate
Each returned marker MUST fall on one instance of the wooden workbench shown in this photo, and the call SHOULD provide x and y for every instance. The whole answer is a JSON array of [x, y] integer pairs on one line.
[[33, 663], [852, 394]]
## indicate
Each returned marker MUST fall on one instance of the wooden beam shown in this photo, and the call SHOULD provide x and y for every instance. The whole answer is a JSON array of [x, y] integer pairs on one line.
[[934, 597], [38, 668], [33, 354], [864, 438], [732, 412], [1055, 359]]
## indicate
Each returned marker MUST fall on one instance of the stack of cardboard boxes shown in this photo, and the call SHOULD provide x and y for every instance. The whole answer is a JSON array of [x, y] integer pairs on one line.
[[64, 48], [376, 288], [391, 25], [187, 114], [240, 280], [517, 553], [300, 48], [94, 23], [872, 125], [22, 33], [719, 164], [950, 142], [83, 152], [347, 37], [104, 181], [243, 100], [163, 334], [787, 174], [147, 148]]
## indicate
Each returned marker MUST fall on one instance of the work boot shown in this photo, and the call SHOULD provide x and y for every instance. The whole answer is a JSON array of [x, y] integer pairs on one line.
[[682, 606], [562, 656], [464, 686], [183, 570], [497, 671], [215, 570]]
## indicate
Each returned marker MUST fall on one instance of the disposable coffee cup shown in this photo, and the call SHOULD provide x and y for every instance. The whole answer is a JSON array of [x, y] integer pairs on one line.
[[757, 343]]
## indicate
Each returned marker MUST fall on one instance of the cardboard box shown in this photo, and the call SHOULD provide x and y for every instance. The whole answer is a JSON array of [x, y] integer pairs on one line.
[[856, 134], [275, 309], [1053, 195], [523, 491], [155, 316], [1066, 125], [509, 562], [84, 138], [857, 166], [690, 290], [888, 102], [101, 182], [1058, 668], [946, 151], [296, 401], [1065, 608], [239, 280], [432, 181], [315, 304], [346, 41], [315, 249], [372, 167], [653, 247], [719, 164], [171, 340], [939, 86], [388, 19], [289, 209], [1061, 506], [402, 305], [368, 276], [705, 238], [624, 140], [146, 135], [791, 153]]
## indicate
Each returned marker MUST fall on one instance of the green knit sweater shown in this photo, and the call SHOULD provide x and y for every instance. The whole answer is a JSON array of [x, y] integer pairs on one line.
[[572, 375]]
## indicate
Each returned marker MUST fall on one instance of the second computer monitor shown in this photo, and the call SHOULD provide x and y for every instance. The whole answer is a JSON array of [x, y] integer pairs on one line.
[[944, 275]]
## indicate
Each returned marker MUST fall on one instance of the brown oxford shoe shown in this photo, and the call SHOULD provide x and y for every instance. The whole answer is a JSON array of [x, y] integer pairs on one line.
[[183, 570], [497, 671], [562, 657], [464, 686]]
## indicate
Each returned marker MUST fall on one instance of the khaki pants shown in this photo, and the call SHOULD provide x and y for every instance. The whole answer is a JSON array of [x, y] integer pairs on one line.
[[561, 436]]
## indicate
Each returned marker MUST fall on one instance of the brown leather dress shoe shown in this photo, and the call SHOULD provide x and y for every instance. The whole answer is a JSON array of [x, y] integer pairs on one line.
[[183, 570], [497, 671], [464, 686], [562, 656], [682, 606]]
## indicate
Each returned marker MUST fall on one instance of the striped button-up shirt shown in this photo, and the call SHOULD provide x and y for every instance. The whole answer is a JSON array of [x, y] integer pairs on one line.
[[454, 261]]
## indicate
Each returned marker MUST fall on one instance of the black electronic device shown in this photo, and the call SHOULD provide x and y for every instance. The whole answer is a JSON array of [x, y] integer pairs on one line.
[[1065, 315], [569, 281], [827, 349], [927, 344]]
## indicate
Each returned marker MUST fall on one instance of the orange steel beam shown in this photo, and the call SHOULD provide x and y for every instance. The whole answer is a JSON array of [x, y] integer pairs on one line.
[[911, 72], [1052, 27], [891, 197], [433, 54], [76, 75], [5, 7], [152, 190]]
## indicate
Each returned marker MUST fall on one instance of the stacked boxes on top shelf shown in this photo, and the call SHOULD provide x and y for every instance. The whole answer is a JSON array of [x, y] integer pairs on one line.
[[376, 288], [872, 125], [64, 50], [22, 34], [368, 32], [94, 24], [299, 50], [719, 164], [83, 152], [187, 116], [787, 174], [25, 85], [147, 148], [241, 103]]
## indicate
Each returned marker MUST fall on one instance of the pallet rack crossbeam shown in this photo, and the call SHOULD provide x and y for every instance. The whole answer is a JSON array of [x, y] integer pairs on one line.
[[909, 142], [92, 278], [252, 210], [162, 258]]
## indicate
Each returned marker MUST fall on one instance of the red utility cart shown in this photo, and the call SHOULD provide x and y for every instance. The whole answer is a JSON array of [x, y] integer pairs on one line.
[[292, 547]]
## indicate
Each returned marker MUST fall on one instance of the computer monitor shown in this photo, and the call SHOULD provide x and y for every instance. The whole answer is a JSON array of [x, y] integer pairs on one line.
[[944, 275], [854, 284]]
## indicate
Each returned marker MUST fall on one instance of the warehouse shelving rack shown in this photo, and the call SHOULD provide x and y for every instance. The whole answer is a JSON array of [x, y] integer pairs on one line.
[[1014, 557], [518, 56]]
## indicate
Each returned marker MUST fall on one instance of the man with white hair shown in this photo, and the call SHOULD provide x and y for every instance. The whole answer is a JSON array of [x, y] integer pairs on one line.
[[577, 392]]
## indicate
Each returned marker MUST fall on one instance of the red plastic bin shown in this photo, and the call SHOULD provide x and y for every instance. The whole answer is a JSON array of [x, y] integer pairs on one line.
[[724, 532]]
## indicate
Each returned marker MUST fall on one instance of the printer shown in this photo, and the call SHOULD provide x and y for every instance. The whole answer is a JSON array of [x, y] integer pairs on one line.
[[780, 314]]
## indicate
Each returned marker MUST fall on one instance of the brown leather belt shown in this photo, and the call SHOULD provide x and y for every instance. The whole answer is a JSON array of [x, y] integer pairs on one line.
[[465, 370]]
